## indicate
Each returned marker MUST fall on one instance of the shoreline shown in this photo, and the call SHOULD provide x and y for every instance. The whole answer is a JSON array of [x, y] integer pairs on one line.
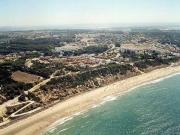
[[38, 123]]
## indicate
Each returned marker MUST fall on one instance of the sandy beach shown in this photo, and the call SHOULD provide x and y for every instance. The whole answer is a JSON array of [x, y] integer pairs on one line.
[[36, 124]]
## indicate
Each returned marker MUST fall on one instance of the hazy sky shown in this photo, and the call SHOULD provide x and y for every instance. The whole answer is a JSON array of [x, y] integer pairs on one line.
[[70, 12]]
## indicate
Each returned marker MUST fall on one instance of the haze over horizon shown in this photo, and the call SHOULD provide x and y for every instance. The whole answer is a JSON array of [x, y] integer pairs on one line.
[[90, 12]]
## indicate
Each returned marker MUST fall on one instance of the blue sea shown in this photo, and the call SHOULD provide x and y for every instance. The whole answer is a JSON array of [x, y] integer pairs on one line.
[[151, 109]]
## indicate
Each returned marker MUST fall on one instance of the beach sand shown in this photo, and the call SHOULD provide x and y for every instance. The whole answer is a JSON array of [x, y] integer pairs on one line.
[[37, 123]]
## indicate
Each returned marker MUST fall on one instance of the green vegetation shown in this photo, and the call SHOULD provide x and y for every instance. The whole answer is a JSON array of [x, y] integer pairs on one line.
[[165, 37], [44, 70], [10, 88], [95, 49], [82, 78]]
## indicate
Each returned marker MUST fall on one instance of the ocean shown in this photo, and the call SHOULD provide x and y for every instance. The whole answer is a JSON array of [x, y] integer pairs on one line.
[[151, 109]]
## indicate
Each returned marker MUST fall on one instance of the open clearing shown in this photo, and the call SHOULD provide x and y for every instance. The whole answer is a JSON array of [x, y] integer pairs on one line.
[[19, 76]]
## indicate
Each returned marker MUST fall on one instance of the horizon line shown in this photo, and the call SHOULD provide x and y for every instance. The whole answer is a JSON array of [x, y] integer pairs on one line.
[[87, 26]]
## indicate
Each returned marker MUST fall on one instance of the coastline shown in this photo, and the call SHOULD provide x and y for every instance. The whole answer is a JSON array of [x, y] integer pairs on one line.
[[36, 124]]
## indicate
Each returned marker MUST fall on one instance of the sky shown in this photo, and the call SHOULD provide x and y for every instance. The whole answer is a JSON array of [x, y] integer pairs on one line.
[[82, 12]]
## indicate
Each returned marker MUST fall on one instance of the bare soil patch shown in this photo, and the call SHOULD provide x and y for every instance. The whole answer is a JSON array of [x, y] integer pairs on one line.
[[24, 77]]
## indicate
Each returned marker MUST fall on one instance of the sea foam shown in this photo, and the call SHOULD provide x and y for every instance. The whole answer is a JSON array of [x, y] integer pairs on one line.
[[163, 78]]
